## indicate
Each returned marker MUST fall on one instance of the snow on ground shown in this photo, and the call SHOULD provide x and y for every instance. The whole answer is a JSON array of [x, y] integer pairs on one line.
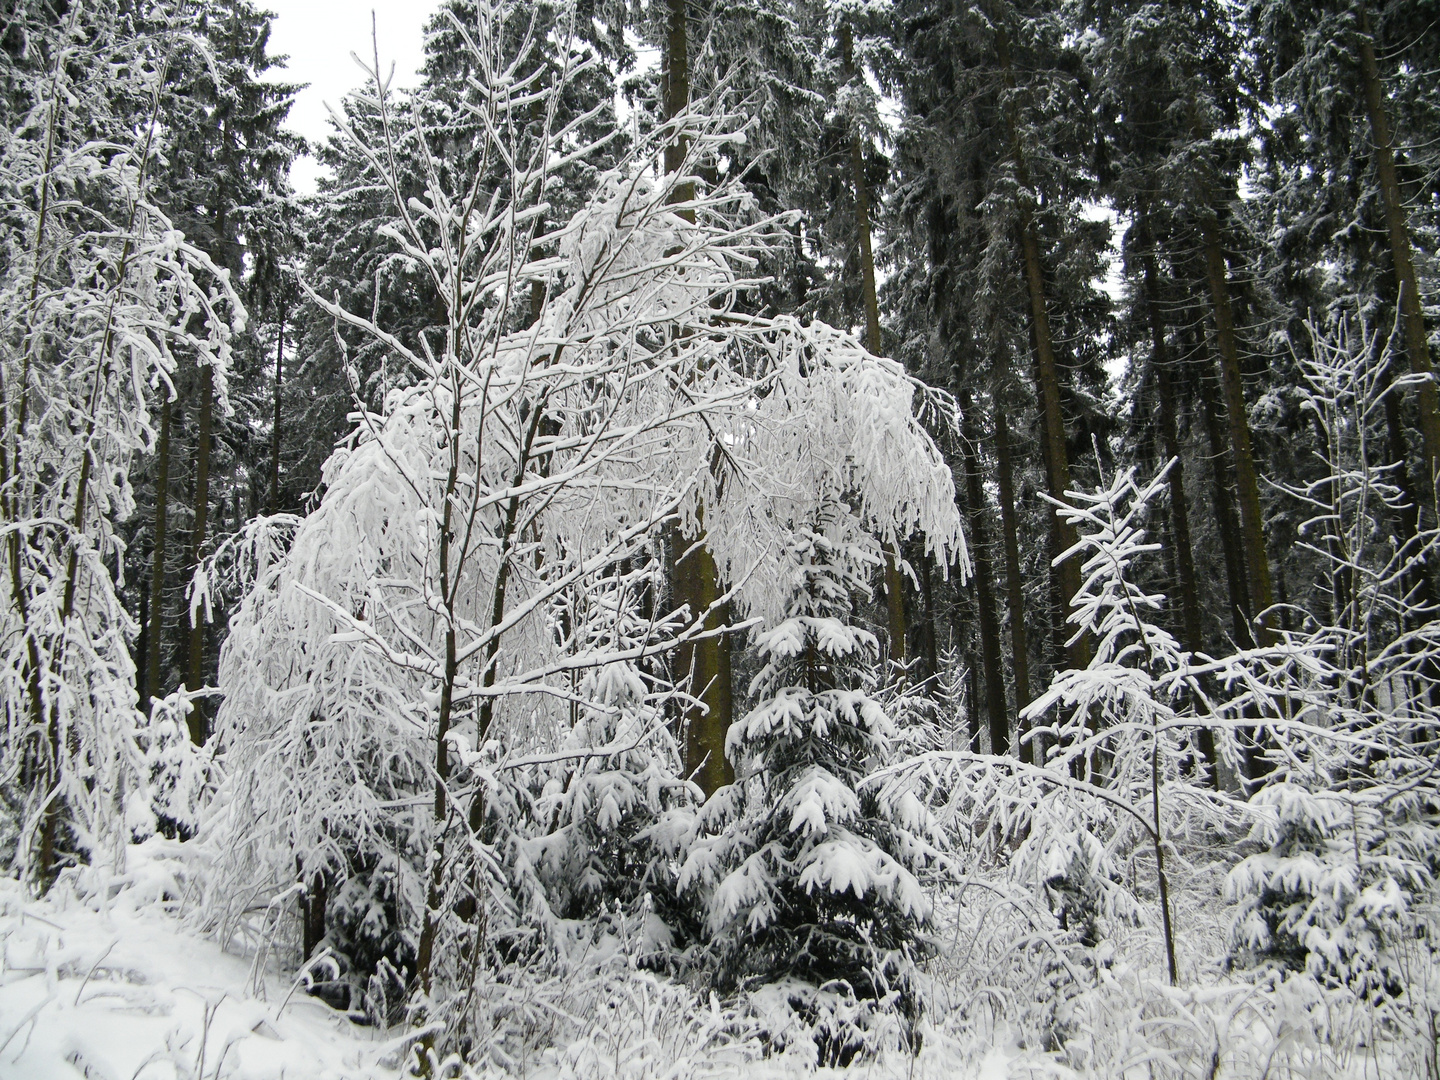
[[125, 993], [104, 983]]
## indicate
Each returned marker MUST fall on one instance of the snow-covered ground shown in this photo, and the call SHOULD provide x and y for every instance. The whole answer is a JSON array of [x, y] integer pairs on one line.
[[122, 991], [101, 980], [106, 979]]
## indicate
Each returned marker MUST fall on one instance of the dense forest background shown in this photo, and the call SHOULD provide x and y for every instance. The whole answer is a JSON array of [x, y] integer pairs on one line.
[[1029, 475]]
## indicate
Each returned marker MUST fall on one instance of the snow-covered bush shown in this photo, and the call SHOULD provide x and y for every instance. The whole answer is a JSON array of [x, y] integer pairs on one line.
[[612, 777], [808, 883], [1120, 776], [1332, 891], [1349, 821]]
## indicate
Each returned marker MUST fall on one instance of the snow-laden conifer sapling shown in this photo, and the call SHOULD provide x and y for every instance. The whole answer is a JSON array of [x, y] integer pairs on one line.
[[809, 884]]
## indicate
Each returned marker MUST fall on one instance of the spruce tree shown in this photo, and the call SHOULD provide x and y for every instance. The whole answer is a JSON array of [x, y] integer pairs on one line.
[[807, 878], [989, 245]]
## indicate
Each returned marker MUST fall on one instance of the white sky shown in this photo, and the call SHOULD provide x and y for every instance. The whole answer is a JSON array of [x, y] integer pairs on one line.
[[320, 35]]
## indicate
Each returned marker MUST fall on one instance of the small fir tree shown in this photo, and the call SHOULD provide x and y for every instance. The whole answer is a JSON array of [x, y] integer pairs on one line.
[[1333, 891], [809, 880]]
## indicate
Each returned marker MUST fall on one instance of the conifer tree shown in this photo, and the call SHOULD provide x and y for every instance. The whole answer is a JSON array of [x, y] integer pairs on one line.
[[805, 876], [1352, 171], [989, 173], [1171, 90], [225, 184]]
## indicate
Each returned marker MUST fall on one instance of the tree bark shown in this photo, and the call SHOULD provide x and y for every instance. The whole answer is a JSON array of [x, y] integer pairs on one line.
[[157, 569], [1057, 458], [1222, 497], [695, 580], [1179, 509], [708, 663], [195, 678], [1247, 482], [895, 621], [1417, 346], [676, 82], [1170, 440], [1014, 582], [312, 906], [927, 642], [274, 504], [999, 717]]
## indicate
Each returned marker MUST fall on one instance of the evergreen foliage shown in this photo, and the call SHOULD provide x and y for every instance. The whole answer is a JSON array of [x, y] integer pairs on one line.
[[804, 874]]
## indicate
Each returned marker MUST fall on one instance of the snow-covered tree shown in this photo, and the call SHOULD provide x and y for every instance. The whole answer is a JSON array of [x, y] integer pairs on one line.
[[806, 880], [1122, 775], [1334, 890], [1348, 824], [394, 680], [614, 774], [98, 293]]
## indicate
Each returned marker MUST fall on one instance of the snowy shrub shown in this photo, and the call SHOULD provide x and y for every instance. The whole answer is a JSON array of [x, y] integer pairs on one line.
[[807, 881], [615, 774], [1332, 892], [1349, 820], [1120, 780]]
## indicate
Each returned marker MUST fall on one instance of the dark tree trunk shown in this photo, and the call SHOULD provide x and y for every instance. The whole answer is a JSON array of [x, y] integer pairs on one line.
[[1014, 582], [274, 504], [196, 670], [1191, 627], [894, 580], [1222, 497], [695, 580], [927, 645], [156, 634], [312, 904], [1047, 369], [998, 716], [1412, 313], [708, 664], [1247, 480], [1170, 439]]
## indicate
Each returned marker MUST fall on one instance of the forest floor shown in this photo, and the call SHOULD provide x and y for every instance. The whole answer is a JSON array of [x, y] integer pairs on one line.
[[104, 982], [111, 986], [125, 992]]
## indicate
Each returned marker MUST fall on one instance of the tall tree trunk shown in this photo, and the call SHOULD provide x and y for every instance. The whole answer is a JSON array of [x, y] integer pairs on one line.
[[675, 84], [157, 568], [1179, 508], [927, 641], [41, 764], [894, 579], [972, 703], [196, 671], [1222, 496], [1057, 457], [708, 664], [695, 578], [274, 503], [999, 717], [1420, 599], [1247, 480], [1246, 632], [1412, 313], [1014, 582], [1170, 440]]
